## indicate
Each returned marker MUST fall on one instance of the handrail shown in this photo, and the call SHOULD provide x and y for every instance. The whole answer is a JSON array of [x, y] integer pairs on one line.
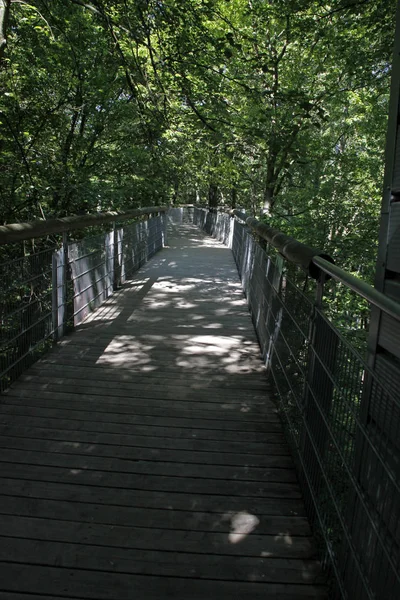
[[308, 258], [17, 232], [364, 289], [294, 251]]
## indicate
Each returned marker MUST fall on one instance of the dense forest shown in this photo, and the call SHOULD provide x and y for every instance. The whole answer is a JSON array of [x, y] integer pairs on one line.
[[276, 106]]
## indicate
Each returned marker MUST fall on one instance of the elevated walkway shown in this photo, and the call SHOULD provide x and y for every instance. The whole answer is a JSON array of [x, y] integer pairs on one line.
[[143, 459]]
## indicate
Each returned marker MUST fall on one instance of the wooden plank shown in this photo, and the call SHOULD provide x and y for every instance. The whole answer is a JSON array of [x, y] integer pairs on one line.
[[196, 445], [124, 536], [132, 390], [147, 407], [157, 376], [200, 363], [104, 374], [149, 467], [156, 518], [147, 499], [111, 416], [195, 383], [148, 482], [156, 563], [154, 429], [96, 585], [178, 348], [143, 458], [168, 354], [69, 398], [229, 326], [17, 596], [25, 389], [258, 461], [156, 369]]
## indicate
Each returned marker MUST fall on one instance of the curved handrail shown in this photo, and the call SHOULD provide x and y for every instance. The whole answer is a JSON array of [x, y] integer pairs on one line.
[[364, 289], [316, 262], [294, 251], [17, 232]]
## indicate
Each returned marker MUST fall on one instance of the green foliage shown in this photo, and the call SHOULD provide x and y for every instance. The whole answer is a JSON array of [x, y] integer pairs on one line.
[[276, 106]]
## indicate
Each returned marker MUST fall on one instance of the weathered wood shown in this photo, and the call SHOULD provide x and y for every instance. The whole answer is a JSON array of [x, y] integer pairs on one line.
[[17, 232], [148, 482], [146, 499], [136, 467], [98, 585], [150, 407], [143, 458], [110, 416], [164, 371], [158, 563], [119, 536], [102, 374], [256, 461], [187, 444], [110, 425], [244, 406], [155, 517], [140, 390]]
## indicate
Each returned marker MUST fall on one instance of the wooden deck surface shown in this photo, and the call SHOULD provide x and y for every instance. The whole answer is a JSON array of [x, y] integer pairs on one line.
[[142, 458]]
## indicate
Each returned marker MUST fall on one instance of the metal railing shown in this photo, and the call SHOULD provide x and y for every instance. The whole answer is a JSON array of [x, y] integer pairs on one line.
[[50, 285], [342, 417]]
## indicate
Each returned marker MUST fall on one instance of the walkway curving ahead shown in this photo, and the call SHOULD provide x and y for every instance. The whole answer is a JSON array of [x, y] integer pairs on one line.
[[142, 458]]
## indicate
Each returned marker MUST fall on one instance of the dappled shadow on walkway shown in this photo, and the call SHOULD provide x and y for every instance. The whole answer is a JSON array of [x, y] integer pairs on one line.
[[143, 457]]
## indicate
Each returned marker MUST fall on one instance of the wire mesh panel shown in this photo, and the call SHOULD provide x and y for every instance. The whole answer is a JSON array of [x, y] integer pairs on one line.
[[181, 214], [136, 243], [25, 310], [217, 224], [199, 217], [342, 421], [45, 293], [154, 235], [91, 267]]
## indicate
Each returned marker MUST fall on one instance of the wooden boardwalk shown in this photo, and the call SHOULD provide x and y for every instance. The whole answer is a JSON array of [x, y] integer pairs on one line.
[[142, 458]]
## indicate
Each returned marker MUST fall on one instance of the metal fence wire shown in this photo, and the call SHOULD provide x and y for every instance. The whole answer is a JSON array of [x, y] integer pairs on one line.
[[342, 420], [47, 292], [25, 309]]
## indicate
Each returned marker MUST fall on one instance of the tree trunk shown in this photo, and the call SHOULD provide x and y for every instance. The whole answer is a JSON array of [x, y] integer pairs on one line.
[[4, 14], [233, 197], [268, 200], [175, 193], [269, 189], [213, 196]]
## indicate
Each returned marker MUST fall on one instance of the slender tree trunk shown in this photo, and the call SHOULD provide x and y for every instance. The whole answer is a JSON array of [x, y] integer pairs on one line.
[[4, 14], [268, 200], [233, 197], [175, 194], [269, 189], [213, 196]]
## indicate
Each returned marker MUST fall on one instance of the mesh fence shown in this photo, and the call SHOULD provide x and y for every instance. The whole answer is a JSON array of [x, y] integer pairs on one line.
[[342, 421], [44, 293], [25, 310]]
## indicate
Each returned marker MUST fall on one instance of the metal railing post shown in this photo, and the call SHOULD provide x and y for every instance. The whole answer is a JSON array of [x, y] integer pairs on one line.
[[116, 265], [64, 282], [54, 294], [164, 221], [319, 388]]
